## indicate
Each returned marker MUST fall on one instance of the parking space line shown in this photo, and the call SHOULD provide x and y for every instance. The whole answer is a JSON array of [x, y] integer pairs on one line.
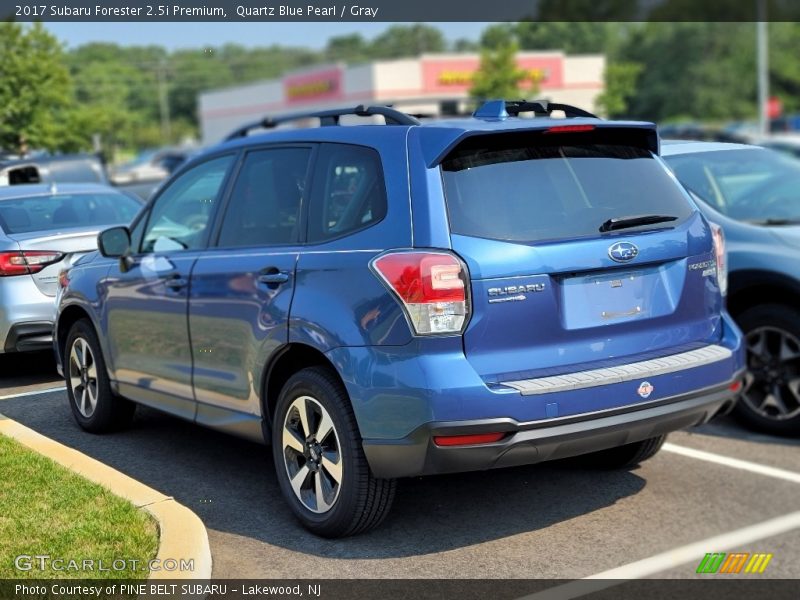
[[689, 553], [33, 393], [735, 463]]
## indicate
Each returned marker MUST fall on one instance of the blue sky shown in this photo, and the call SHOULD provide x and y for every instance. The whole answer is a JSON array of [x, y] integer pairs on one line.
[[196, 35]]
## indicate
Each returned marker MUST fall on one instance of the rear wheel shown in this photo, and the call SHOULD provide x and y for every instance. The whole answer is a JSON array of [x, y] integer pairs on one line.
[[320, 465], [622, 457], [94, 405], [770, 400]]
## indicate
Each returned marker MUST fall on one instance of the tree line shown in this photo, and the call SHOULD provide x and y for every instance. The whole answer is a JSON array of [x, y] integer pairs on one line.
[[134, 97]]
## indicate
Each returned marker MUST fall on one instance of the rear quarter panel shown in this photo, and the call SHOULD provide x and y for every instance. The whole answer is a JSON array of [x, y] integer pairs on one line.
[[338, 300]]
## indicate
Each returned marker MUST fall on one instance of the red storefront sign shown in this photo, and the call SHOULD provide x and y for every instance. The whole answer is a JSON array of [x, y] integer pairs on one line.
[[313, 87], [456, 74]]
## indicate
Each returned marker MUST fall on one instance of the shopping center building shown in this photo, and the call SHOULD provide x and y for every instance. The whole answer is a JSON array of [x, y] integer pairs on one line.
[[432, 84]]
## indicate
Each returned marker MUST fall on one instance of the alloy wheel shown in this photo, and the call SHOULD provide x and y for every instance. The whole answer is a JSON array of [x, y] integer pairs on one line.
[[83, 377], [772, 382], [312, 454]]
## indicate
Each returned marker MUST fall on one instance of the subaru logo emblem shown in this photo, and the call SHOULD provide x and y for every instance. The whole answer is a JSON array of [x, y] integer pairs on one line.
[[623, 251]]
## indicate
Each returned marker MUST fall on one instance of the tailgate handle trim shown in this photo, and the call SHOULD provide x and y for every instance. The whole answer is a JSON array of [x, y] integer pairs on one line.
[[610, 375]]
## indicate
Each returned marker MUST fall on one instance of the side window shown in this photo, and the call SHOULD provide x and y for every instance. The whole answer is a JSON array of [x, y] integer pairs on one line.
[[264, 208], [349, 192], [180, 216]]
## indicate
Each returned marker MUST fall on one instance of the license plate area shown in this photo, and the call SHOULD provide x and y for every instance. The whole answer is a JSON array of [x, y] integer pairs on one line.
[[598, 299]]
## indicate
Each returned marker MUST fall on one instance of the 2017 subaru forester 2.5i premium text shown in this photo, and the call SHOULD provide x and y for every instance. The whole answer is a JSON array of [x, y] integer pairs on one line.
[[390, 300]]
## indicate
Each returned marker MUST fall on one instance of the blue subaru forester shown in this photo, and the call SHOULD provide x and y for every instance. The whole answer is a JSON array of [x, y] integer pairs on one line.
[[391, 300]]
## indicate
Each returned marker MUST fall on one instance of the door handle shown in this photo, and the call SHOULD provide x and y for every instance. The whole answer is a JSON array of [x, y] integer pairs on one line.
[[176, 282], [273, 278]]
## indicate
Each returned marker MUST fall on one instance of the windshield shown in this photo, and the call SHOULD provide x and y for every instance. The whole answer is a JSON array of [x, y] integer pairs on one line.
[[507, 188], [748, 184], [44, 213]]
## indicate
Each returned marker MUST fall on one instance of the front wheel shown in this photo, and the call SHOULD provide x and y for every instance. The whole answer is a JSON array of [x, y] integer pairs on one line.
[[321, 468], [94, 405], [770, 400]]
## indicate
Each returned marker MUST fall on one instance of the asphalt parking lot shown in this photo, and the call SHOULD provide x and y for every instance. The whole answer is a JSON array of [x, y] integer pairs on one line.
[[717, 487]]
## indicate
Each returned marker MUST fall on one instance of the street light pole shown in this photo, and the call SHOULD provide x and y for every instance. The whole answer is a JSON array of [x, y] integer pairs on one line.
[[762, 49], [163, 101]]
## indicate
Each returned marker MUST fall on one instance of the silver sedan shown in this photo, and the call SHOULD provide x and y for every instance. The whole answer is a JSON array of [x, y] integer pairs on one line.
[[44, 229]]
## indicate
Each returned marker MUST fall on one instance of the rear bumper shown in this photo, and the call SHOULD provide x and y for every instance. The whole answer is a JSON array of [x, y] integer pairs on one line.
[[26, 337], [538, 441], [26, 315]]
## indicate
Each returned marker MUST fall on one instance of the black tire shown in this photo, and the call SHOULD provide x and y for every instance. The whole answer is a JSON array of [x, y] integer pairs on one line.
[[361, 501], [774, 324], [110, 412], [621, 457]]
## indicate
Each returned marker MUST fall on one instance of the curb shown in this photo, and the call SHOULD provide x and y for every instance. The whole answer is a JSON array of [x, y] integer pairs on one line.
[[182, 534]]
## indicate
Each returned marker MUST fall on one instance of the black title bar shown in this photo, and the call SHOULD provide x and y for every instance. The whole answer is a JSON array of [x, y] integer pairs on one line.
[[393, 10]]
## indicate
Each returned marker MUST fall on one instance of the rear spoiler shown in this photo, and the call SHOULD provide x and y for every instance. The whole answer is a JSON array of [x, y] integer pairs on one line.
[[439, 143]]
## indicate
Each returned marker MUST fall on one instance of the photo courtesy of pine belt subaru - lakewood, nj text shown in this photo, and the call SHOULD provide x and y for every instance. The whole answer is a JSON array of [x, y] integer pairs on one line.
[[390, 300]]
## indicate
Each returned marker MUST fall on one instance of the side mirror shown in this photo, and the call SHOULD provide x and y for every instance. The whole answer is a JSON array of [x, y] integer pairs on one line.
[[114, 242]]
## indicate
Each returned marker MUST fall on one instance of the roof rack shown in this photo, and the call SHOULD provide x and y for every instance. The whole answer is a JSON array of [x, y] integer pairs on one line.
[[329, 117], [502, 109]]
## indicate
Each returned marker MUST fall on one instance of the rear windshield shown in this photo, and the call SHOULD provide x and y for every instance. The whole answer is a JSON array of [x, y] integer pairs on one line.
[[542, 187], [43, 213], [75, 171]]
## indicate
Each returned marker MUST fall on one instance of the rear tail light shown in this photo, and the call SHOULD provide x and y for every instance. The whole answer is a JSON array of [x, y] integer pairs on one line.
[[432, 286], [721, 256], [467, 440], [26, 262]]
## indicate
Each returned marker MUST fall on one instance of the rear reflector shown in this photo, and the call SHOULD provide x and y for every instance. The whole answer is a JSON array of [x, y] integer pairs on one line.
[[432, 287], [467, 440], [27, 262], [569, 128], [735, 386]]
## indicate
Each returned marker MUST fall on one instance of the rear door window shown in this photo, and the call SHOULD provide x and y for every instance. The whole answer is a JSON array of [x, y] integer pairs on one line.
[[349, 193], [538, 187]]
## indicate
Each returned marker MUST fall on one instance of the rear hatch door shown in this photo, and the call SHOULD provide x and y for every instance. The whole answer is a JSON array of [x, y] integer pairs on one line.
[[583, 253]]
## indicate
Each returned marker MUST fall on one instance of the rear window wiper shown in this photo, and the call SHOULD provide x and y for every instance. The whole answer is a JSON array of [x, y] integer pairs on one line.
[[634, 221]]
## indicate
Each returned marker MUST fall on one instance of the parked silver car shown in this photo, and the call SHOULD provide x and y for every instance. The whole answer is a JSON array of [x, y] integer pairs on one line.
[[43, 229], [61, 169], [151, 166]]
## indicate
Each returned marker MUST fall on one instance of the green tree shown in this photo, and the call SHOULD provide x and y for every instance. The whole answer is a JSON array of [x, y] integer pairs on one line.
[[784, 39], [34, 87], [498, 75], [703, 70], [352, 48], [401, 41], [465, 45], [620, 87], [498, 35], [572, 38]]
